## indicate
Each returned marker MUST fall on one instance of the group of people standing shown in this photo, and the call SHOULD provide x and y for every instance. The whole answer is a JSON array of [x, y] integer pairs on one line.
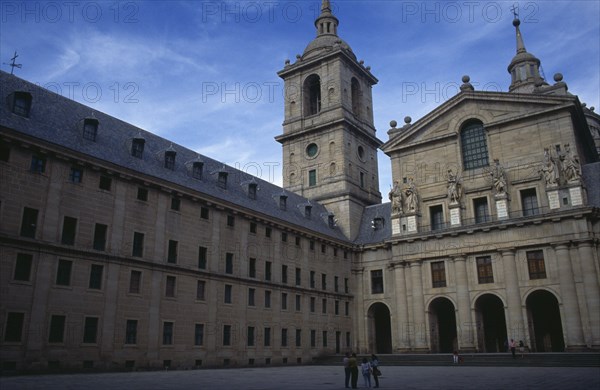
[[366, 368]]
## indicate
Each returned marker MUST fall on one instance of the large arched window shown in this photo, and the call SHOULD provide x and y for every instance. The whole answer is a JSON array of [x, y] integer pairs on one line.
[[355, 89], [474, 145], [312, 95]]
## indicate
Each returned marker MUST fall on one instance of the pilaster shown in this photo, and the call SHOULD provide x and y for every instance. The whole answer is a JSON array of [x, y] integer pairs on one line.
[[464, 331]]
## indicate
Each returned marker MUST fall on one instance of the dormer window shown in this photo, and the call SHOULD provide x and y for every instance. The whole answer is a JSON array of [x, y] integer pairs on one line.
[[222, 180], [377, 223], [90, 128], [331, 221], [137, 147], [197, 169], [21, 103], [283, 202], [252, 188], [307, 211], [170, 159]]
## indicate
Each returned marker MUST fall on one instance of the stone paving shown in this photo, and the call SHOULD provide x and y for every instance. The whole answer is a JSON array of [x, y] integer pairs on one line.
[[320, 377]]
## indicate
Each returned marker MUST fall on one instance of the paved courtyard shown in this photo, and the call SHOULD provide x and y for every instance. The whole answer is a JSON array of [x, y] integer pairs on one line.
[[320, 377]]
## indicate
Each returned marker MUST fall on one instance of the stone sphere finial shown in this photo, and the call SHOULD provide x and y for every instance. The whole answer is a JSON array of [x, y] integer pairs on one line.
[[407, 120], [558, 77], [466, 79], [298, 56], [592, 108], [393, 124], [584, 105], [368, 68], [362, 62], [287, 61], [516, 22]]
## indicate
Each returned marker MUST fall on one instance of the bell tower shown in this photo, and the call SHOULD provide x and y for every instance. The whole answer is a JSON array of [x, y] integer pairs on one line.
[[329, 141]]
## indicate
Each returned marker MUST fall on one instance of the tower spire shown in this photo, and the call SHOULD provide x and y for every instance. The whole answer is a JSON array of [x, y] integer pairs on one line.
[[524, 67], [326, 23]]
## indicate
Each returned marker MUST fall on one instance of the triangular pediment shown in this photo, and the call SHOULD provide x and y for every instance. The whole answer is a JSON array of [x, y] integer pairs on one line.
[[491, 108]]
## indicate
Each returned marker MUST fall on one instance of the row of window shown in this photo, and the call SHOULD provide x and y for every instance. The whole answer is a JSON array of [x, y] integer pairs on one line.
[[15, 322], [485, 273]]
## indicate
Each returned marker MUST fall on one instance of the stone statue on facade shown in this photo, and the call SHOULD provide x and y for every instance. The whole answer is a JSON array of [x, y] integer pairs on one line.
[[498, 178], [571, 166], [395, 196], [411, 198], [549, 169], [454, 187]]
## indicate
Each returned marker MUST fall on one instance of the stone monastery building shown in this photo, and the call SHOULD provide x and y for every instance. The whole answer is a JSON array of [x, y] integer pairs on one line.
[[120, 249]]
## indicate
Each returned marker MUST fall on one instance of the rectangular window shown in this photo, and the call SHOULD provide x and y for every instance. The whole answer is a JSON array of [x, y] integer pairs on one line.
[[29, 222], [226, 335], [90, 330], [170, 287], [284, 301], [311, 245], [167, 333], [199, 334], [57, 329], [267, 298], [68, 231], [252, 267], [13, 332], [438, 274], [536, 265], [324, 305], [172, 252], [202, 254], [135, 281], [250, 336], [436, 217], [204, 213], [312, 304], [137, 147], [268, 267], [200, 290], [228, 291], [312, 177], [298, 337], [268, 232], [337, 308], [336, 283], [298, 302], [63, 273], [138, 245], [105, 183], [170, 160], [485, 273], [253, 227], [229, 263], [142, 194], [284, 278], [175, 204], [377, 282], [197, 169], [267, 338], [346, 286], [38, 164], [347, 308], [298, 276], [96, 271], [4, 151], [323, 282], [76, 175], [284, 236], [230, 221], [100, 237], [251, 294], [323, 248], [131, 332], [348, 339], [284, 337], [362, 180], [312, 279], [23, 267], [529, 202], [324, 339], [313, 338], [480, 206]]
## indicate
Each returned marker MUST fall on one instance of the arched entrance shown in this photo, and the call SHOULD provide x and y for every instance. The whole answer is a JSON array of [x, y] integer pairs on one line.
[[442, 326], [491, 323], [380, 329], [544, 322]]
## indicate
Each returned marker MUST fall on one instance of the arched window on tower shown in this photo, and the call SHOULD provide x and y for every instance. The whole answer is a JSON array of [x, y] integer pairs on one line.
[[474, 145], [355, 96], [312, 95]]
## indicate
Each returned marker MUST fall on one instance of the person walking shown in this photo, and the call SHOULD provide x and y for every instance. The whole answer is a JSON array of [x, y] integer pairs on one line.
[[366, 369], [376, 372], [353, 364], [346, 362], [522, 348], [513, 348]]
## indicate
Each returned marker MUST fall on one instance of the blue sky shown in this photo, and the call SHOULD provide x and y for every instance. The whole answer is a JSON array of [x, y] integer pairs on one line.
[[203, 73]]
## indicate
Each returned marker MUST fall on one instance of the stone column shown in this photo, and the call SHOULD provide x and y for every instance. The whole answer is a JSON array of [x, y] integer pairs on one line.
[[420, 330], [464, 325], [591, 288], [572, 317], [401, 308], [515, 324]]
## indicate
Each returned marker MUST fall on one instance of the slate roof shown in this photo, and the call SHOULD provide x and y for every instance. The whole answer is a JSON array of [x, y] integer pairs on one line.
[[367, 234], [59, 120]]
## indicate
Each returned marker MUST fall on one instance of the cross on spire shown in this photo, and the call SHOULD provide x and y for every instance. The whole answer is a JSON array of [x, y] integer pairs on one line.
[[515, 10], [12, 63]]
